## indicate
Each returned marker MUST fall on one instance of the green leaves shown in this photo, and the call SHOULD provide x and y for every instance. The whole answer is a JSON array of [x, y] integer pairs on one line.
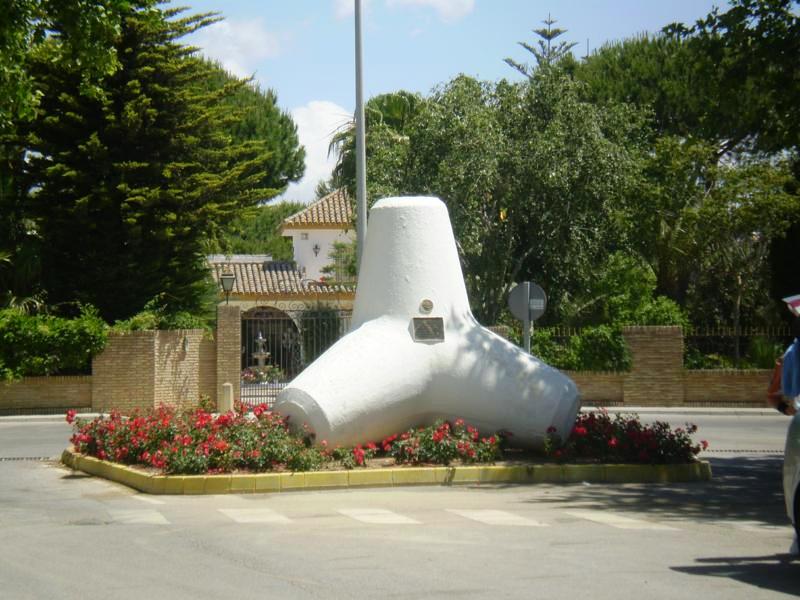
[[48, 345], [133, 186]]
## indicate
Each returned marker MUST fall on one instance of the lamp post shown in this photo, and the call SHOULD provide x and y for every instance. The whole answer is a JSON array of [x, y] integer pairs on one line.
[[227, 280]]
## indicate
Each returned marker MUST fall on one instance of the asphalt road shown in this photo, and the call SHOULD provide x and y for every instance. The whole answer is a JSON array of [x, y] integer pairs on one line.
[[66, 535]]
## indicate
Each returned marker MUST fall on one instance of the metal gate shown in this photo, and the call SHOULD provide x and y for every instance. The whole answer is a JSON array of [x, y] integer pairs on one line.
[[277, 345]]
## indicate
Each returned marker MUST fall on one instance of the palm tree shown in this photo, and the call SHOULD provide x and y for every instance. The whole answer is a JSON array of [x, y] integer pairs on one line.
[[392, 112]]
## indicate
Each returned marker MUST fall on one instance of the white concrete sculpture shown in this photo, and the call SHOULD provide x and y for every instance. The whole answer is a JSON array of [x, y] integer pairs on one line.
[[415, 353]]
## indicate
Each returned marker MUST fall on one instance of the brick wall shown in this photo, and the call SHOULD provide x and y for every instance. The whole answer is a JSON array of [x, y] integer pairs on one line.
[[143, 369], [229, 348], [603, 388], [207, 368], [656, 375], [123, 375], [32, 393], [726, 387], [177, 364]]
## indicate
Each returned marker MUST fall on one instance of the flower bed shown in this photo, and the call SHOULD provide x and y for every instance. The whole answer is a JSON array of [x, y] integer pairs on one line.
[[197, 442], [596, 436]]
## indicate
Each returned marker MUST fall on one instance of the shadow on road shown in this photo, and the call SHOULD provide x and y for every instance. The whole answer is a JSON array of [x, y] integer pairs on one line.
[[746, 488], [778, 572]]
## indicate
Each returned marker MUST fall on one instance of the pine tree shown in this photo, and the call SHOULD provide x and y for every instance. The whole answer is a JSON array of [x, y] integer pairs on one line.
[[127, 189], [259, 118], [548, 53]]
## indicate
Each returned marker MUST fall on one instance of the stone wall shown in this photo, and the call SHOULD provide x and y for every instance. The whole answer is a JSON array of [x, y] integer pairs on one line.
[[52, 393]]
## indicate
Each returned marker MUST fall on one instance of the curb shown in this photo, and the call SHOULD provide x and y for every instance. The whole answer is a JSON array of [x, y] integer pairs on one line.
[[387, 477]]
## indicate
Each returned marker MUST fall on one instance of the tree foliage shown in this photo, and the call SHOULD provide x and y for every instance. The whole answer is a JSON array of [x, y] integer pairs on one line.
[[79, 33], [256, 231], [546, 52], [387, 118], [127, 189], [71, 33], [258, 118], [47, 345], [534, 178]]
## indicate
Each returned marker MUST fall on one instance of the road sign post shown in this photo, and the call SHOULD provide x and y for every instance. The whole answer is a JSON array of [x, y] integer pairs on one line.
[[527, 301]]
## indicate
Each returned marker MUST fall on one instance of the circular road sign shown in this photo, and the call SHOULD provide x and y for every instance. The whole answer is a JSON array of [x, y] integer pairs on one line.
[[527, 300]]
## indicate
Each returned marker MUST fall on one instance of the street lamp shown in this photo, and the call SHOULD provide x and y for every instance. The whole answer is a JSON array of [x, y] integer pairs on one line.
[[227, 280]]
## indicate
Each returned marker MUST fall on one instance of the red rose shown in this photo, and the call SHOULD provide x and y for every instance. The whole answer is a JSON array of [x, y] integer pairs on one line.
[[580, 431], [71, 416]]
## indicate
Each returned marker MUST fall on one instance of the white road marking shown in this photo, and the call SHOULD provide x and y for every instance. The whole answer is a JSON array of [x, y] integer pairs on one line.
[[138, 517], [254, 515], [147, 499], [378, 516], [497, 517], [618, 521]]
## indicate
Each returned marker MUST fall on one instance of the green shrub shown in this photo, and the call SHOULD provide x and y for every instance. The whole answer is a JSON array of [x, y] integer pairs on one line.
[[600, 348], [660, 311], [763, 351], [555, 353], [156, 314], [48, 345]]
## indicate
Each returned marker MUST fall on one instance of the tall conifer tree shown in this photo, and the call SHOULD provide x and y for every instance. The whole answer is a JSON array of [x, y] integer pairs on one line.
[[127, 189]]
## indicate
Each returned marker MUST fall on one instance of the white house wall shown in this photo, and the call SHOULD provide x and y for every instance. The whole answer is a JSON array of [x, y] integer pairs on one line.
[[304, 249]]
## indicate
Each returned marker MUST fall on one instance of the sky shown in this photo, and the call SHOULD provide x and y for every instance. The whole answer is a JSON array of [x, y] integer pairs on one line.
[[304, 49]]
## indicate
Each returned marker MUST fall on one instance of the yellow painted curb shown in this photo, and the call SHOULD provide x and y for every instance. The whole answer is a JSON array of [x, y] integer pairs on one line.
[[399, 476], [326, 480]]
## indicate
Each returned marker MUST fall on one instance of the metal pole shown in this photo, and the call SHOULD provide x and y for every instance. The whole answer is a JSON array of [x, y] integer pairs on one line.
[[526, 323], [361, 155]]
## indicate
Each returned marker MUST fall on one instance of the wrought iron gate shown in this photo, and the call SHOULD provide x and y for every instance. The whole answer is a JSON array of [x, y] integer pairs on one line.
[[277, 345]]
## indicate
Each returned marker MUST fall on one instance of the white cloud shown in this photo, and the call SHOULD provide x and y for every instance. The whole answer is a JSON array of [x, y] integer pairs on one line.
[[316, 122], [344, 9], [448, 10], [239, 45]]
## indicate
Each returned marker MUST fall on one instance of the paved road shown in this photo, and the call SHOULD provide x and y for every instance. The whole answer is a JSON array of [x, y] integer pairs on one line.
[[66, 535]]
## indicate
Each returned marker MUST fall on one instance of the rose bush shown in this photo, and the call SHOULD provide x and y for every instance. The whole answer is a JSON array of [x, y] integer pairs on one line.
[[623, 438], [198, 441]]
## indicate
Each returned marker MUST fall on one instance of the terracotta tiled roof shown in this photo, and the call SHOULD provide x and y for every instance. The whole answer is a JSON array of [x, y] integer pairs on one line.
[[272, 278], [333, 211]]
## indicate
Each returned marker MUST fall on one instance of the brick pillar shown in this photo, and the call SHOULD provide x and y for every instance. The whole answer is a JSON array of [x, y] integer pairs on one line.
[[657, 376], [229, 349]]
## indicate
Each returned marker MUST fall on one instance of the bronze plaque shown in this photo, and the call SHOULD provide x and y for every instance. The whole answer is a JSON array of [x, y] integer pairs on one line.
[[428, 329]]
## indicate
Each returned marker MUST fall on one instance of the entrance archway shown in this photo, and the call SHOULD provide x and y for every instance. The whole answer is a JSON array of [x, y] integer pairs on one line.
[[281, 339]]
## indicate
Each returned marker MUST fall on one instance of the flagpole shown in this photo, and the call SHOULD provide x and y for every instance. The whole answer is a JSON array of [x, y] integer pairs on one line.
[[361, 156]]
